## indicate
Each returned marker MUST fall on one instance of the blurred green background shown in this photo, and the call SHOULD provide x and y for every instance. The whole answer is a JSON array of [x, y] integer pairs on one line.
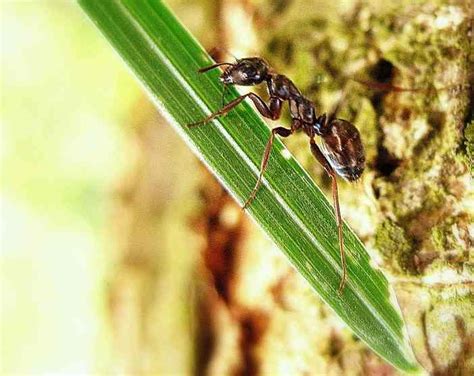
[[71, 115], [63, 96]]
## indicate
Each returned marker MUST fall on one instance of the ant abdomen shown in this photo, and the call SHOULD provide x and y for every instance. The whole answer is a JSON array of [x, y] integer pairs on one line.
[[344, 150]]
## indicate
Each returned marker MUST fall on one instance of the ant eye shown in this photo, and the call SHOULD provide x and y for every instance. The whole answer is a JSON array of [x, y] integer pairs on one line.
[[249, 70]]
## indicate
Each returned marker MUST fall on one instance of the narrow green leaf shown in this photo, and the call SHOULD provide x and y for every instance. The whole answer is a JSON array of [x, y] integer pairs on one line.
[[289, 207]]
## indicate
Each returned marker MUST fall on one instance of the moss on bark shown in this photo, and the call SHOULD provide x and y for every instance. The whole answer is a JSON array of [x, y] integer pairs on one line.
[[412, 204]]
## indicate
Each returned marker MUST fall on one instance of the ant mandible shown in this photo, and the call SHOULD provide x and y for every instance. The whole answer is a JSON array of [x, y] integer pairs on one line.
[[342, 152]]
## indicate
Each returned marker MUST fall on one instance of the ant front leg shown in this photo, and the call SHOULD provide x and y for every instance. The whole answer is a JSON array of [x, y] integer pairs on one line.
[[272, 112], [281, 131], [335, 195], [210, 67]]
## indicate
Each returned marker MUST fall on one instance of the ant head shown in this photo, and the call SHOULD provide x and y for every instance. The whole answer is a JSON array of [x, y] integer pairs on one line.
[[248, 71], [344, 150]]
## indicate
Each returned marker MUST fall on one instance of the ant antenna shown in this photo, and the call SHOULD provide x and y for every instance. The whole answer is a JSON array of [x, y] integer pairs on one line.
[[337, 106], [216, 50], [230, 53], [205, 69]]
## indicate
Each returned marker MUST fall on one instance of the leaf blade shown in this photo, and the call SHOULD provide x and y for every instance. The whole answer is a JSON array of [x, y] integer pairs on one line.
[[289, 207]]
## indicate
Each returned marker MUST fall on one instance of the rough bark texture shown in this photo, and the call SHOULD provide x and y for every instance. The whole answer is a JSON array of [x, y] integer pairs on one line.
[[411, 207]]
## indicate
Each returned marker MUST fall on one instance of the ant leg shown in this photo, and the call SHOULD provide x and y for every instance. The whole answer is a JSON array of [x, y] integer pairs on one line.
[[224, 91], [223, 111], [272, 112], [335, 196], [384, 86], [388, 87], [281, 131]]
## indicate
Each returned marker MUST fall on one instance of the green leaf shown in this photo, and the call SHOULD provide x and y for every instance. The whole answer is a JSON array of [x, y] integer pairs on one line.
[[289, 207]]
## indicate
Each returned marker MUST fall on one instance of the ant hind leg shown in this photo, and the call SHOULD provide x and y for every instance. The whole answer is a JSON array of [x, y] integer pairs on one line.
[[335, 196]]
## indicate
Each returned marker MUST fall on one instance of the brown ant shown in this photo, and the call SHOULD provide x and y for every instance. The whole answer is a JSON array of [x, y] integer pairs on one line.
[[342, 152]]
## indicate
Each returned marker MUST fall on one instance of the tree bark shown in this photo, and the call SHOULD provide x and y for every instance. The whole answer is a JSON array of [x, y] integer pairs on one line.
[[410, 208]]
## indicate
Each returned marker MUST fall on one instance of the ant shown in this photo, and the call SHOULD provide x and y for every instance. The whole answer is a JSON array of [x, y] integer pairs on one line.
[[342, 152]]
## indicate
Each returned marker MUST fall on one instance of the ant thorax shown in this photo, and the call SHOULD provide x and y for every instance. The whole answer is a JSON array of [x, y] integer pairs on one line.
[[282, 87]]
